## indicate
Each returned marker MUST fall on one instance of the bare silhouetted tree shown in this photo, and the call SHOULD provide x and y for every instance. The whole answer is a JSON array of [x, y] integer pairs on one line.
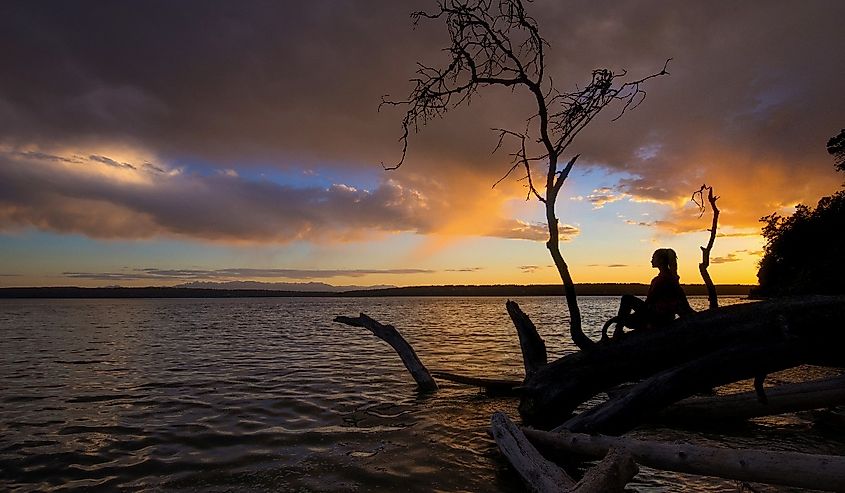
[[496, 43], [698, 198]]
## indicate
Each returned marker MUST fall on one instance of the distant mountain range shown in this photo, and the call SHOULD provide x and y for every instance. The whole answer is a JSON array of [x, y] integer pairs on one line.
[[302, 287]]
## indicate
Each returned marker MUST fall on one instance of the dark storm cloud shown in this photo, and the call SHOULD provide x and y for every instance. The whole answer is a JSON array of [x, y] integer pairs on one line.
[[751, 98], [250, 80], [750, 102]]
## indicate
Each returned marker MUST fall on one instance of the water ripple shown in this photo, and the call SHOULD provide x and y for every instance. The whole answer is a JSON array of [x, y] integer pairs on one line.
[[269, 394]]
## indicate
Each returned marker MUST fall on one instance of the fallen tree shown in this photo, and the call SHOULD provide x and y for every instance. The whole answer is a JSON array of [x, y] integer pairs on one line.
[[813, 325]]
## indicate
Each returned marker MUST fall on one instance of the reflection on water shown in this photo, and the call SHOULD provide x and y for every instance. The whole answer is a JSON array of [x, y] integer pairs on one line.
[[270, 394]]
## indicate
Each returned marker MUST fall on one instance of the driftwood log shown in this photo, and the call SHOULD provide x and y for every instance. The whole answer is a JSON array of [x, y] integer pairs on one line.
[[810, 328], [542, 475], [390, 335], [826, 472], [532, 345]]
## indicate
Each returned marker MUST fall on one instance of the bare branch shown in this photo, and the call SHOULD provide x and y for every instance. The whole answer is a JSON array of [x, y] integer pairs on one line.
[[520, 158]]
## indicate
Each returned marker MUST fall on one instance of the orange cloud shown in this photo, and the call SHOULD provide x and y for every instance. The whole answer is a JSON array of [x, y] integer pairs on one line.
[[103, 197], [748, 186]]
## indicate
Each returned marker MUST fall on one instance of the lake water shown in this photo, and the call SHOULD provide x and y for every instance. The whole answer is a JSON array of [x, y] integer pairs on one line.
[[268, 394]]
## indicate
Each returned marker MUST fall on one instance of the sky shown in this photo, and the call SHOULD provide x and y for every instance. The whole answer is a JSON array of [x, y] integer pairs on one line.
[[162, 142]]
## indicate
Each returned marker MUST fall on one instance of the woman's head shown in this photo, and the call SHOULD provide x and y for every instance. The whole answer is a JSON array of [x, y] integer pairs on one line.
[[665, 259]]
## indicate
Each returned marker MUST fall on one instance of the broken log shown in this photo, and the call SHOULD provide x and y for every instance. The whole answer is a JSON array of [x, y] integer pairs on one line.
[[539, 474], [611, 474], [390, 335], [542, 475], [532, 345], [555, 390], [647, 398], [812, 471], [782, 399]]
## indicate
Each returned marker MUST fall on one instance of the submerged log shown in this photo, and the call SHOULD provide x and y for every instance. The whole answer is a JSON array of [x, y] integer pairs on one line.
[[555, 390], [390, 335], [491, 385], [812, 471], [542, 475], [782, 399]]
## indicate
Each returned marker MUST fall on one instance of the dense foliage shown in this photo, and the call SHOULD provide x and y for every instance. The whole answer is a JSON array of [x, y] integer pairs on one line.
[[836, 148], [804, 251]]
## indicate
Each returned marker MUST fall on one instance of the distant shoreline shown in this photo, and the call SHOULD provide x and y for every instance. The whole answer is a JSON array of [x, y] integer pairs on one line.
[[598, 289]]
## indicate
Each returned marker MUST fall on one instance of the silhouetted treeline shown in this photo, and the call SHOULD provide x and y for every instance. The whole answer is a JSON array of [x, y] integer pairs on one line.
[[600, 289], [803, 253], [145, 292], [504, 290]]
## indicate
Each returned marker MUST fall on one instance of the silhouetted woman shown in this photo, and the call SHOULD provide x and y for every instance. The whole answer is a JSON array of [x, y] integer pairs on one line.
[[666, 298]]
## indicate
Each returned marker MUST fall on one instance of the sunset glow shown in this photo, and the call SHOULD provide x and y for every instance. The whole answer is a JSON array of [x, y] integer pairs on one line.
[[131, 161]]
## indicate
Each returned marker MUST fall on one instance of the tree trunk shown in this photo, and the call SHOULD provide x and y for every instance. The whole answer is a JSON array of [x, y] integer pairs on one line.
[[532, 345], [390, 335], [555, 390], [782, 399], [826, 472]]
